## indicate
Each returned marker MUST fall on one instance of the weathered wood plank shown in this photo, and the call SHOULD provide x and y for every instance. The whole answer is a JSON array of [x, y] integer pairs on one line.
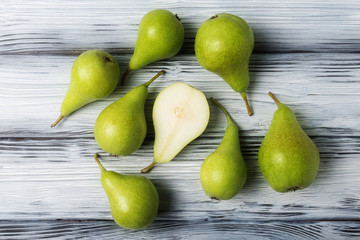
[[322, 89], [69, 26], [55, 179], [60, 229]]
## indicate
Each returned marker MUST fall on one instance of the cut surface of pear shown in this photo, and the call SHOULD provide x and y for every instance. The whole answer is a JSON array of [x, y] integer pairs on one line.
[[121, 128], [223, 173], [180, 114], [134, 200], [94, 75], [223, 45], [288, 158], [160, 36]]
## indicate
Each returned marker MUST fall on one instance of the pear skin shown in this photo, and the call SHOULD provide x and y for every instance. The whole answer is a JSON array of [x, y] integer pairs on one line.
[[223, 173], [94, 75], [134, 200], [223, 45], [120, 128], [288, 158], [160, 36]]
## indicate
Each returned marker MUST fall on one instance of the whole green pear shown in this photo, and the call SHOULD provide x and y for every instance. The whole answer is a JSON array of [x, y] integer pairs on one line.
[[288, 158], [160, 36], [223, 172], [94, 75], [120, 128], [223, 45], [133, 200]]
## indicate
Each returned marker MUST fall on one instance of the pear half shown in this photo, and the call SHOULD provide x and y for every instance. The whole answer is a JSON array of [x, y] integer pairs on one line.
[[180, 114]]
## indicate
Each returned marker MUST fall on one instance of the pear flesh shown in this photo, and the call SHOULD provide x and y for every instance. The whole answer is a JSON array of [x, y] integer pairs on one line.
[[94, 75], [223, 45], [180, 114], [121, 128], [134, 200], [160, 36], [288, 158], [223, 173]]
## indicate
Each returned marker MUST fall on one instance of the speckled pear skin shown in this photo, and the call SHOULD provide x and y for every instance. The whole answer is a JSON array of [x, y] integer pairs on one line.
[[223, 173], [223, 45], [121, 128], [288, 158], [160, 36], [133, 199], [94, 75]]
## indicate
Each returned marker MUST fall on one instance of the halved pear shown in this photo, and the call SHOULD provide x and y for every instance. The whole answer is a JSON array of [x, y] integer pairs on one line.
[[180, 114]]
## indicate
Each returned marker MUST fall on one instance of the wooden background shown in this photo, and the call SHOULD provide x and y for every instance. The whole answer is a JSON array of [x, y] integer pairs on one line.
[[307, 53]]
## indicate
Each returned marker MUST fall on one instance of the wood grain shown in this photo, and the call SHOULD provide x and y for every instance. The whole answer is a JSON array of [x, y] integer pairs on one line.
[[314, 85], [50, 174], [69, 27], [59, 229], [306, 53]]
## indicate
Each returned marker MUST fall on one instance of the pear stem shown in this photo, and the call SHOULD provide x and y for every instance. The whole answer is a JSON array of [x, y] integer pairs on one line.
[[148, 168], [57, 121], [98, 162], [274, 98], [122, 81], [230, 120], [153, 79], [246, 103]]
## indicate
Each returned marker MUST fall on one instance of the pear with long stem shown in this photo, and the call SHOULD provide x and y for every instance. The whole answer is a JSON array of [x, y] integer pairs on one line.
[[223, 45], [133, 199], [223, 173]]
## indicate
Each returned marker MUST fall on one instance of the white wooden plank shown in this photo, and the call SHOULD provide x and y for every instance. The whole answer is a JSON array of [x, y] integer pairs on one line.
[[181, 230], [297, 26], [320, 88], [55, 179]]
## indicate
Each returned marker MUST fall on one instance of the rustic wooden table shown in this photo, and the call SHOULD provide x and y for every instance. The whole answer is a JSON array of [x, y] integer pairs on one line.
[[307, 52]]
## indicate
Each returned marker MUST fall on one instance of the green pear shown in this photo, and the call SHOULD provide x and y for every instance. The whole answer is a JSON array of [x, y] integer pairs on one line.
[[223, 172], [288, 158], [160, 36], [94, 75], [223, 45], [120, 128], [180, 114], [133, 200]]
